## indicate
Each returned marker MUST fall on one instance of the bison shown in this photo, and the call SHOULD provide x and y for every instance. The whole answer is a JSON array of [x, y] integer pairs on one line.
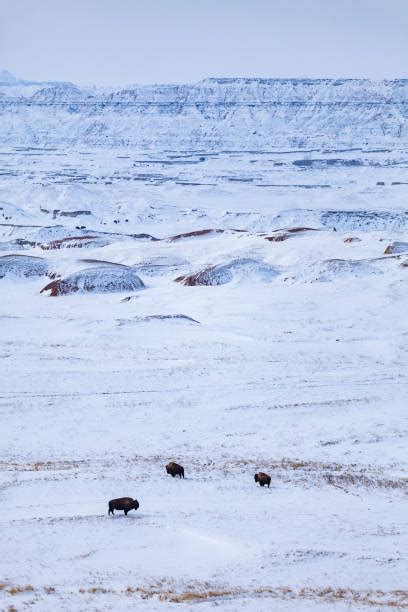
[[123, 503], [263, 479], [175, 469]]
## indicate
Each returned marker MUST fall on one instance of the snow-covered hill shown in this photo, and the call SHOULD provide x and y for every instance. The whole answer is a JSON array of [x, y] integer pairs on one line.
[[213, 114], [239, 307]]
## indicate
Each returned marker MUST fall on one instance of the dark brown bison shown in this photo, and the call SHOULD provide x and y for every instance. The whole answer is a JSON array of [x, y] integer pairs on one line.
[[263, 479], [123, 503], [175, 469]]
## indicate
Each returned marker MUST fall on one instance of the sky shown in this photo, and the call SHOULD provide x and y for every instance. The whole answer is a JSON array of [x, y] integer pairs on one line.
[[109, 42]]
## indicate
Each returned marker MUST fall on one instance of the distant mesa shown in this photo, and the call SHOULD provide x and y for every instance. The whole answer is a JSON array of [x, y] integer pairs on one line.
[[100, 279], [211, 115], [6, 78], [58, 92]]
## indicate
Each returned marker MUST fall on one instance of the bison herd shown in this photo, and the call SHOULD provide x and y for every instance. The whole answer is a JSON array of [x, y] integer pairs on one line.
[[174, 469]]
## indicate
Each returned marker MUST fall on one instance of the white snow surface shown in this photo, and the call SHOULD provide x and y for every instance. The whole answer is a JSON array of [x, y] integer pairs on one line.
[[296, 366], [213, 114]]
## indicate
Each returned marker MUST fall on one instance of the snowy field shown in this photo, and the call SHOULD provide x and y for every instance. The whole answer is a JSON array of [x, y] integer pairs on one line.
[[282, 348]]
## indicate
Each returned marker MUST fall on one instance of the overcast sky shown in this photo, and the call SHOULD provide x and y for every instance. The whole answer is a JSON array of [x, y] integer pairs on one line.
[[149, 41]]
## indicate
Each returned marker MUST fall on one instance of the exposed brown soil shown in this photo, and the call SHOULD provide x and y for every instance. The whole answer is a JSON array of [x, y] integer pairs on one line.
[[196, 233], [100, 279], [396, 247], [277, 238], [56, 287], [195, 592], [295, 230], [102, 261], [199, 278], [70, 242], [283, 234], [351, 239]]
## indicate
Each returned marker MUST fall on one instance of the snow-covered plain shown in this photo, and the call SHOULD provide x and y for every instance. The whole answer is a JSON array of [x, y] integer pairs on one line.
[[291, 360]]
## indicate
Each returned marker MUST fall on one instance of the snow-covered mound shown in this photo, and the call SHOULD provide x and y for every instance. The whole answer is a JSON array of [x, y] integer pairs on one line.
[[56, 237], [18, 244], [23, 266], [162, 265], [337, 269], [236, 270], [343, 268], [235, 113], [365, 220], [76, 242], [108, 278], [396, 247]]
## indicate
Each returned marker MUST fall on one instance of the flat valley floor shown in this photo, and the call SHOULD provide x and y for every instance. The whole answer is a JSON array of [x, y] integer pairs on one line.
[[296, 365]]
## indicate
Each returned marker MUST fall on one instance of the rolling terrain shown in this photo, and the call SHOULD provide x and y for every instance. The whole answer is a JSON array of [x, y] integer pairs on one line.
[[188, 290]]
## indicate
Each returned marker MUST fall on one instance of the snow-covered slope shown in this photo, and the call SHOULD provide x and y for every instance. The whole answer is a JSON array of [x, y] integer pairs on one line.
[[233, 310], [212, 114]]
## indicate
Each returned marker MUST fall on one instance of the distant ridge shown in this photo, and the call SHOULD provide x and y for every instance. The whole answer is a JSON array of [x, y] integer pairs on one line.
[[213, 114]]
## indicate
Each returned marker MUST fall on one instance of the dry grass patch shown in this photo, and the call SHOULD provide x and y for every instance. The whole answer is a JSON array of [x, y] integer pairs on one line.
[[96, 591], [203, 592], [40, 466], [295, 471], [196, 592], [16, 590], [49, 590], [316, 473]]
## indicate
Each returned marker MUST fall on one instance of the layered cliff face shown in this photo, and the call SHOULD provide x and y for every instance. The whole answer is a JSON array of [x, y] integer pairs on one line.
[[215, 114]]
